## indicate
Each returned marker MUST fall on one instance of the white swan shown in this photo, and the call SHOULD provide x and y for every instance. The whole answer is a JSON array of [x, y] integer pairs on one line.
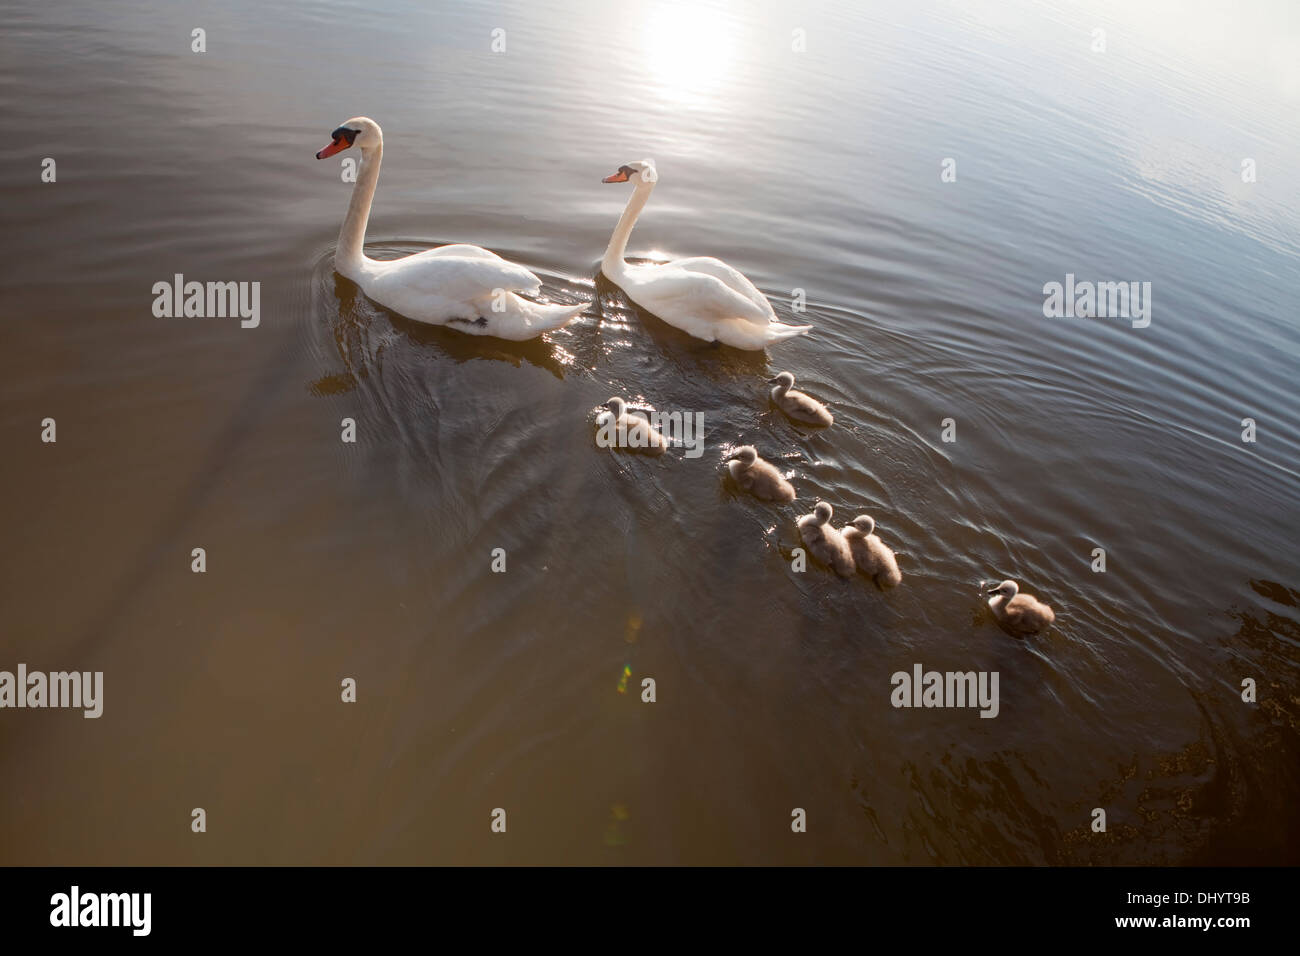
[[702, 296], [1018, 613], [460, 286], [870, 554]]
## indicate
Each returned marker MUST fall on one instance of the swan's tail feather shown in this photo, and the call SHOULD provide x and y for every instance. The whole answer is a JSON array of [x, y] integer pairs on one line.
[[527, 319], [778, 332], [547, 318]]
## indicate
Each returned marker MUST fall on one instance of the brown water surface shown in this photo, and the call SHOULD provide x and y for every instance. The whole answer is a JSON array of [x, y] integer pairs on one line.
[[816, 171]]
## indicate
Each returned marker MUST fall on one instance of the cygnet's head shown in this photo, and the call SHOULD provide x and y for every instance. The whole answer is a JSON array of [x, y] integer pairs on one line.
[[823, 512], [785, 380], [1008, 589], [360, 131], [616, 405], [638, 171], [865, 523], [746, 455]]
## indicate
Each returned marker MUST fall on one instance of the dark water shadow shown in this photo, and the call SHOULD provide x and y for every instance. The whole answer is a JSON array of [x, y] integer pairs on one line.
[[354, 328]]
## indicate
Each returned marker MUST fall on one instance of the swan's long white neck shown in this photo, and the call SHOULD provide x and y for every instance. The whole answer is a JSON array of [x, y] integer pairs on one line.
[[612, 264], [352, 237]]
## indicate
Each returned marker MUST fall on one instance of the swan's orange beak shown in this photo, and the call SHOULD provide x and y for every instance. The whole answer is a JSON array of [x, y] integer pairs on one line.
[[337, 146], [618, 177]]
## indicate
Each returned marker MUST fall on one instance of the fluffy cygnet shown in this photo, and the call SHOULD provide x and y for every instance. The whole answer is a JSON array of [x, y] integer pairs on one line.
[[800, 407], [760, 478], [1018, 613], [870, 554], [630, 432], [825, 543]]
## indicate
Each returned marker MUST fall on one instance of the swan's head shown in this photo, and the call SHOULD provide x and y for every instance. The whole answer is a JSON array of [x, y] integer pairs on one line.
[[865, 523], [823, 512], [1008, 590], [643, 170], [785, 380], [746, 455], [617, 406], [360, 131]]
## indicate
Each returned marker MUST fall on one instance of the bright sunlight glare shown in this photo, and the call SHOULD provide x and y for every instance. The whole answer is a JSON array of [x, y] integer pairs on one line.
[[688, 49]]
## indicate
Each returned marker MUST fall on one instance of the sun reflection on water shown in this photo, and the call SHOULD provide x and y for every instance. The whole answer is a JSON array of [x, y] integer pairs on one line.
[[689, 49]]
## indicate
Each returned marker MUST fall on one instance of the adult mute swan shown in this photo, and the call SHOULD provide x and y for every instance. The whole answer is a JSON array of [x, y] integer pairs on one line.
[[1018, 613], [460, 286], [701, 296]]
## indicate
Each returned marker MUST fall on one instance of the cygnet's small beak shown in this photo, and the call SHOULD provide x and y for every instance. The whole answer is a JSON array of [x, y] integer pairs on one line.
[[773, 381]]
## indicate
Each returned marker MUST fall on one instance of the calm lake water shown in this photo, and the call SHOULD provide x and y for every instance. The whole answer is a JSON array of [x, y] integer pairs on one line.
[[818, 170]]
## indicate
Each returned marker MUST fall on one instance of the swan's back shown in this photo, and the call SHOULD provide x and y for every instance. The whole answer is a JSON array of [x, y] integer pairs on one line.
[[705, 306], [730, 277], [466, 288]]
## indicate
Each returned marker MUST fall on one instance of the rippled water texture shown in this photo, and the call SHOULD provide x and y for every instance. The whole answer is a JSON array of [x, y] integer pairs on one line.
[[817, 171]]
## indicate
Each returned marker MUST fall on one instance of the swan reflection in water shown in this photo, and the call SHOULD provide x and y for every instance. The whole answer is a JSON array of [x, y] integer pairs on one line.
[[362, 330]]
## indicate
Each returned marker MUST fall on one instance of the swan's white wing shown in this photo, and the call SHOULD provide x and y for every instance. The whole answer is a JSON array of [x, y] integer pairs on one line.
[[685, 297], [455, 278], [730, 277], [464, 250]]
